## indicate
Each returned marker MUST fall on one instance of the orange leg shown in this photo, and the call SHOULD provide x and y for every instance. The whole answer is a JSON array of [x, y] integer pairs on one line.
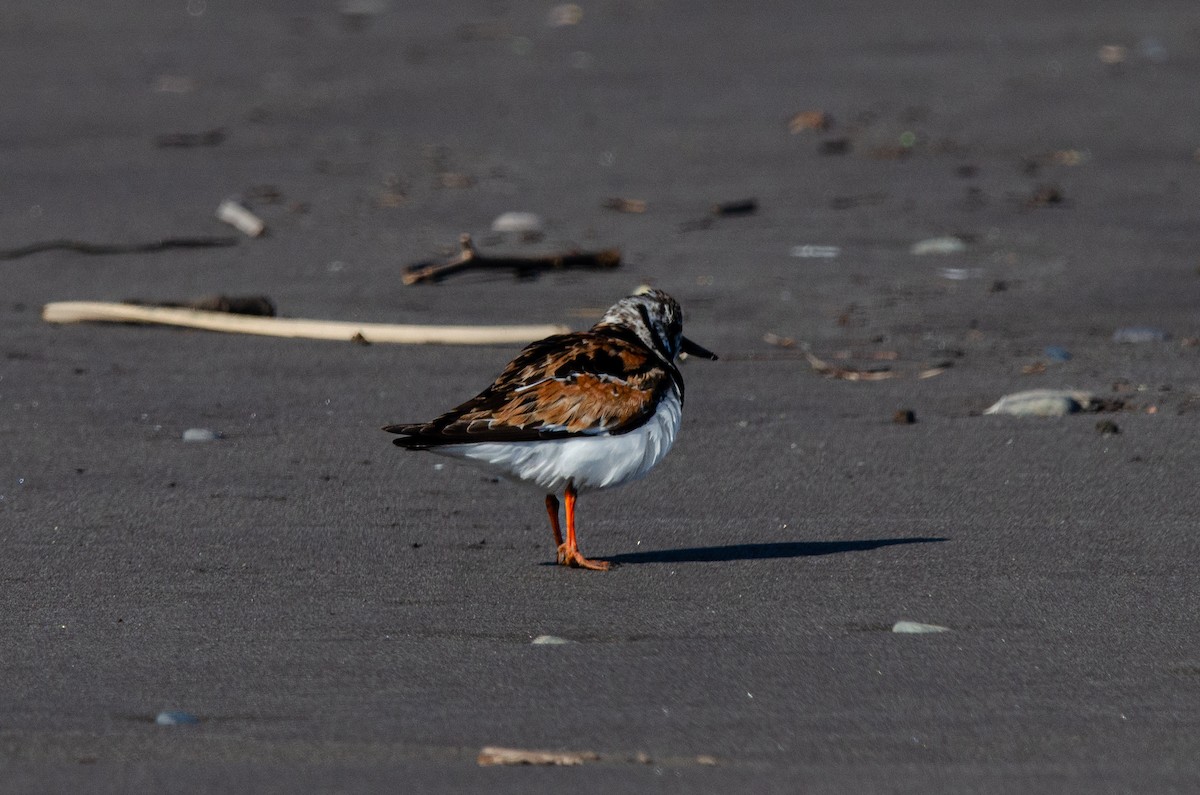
[[568, 553], [552, 512]]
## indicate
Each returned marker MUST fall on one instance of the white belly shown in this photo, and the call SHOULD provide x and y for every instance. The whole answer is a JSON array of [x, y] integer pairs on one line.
[[592, 462]]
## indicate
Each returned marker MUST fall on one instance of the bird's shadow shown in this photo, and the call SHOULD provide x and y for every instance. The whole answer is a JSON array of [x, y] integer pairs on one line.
[[786, 549]]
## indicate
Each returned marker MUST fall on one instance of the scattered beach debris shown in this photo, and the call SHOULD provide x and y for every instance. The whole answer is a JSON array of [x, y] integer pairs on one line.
[[625, 205], [84, 247], [1139, 335], [104, 312], [470, 259], [904, 417], [1037, 368], [1112, 54], [817, 120], [171, 717], [1056, 353], [917, 628], [844, 373], [949, 244], [779, 342], [201, 435], [1043, 403], [1107, 427], [495, 755], [181, 140], [239, 217], [517, 223], [549, 640]]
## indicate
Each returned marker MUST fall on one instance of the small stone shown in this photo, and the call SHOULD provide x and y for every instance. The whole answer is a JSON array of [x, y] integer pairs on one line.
[[1137, 335], [706, 760], [176, 718], [200, 435], [518, 222], [550, 640], [1041, 403], [938, 245], [904, 417], [1056, 354], [1107, 427], [917, 628]]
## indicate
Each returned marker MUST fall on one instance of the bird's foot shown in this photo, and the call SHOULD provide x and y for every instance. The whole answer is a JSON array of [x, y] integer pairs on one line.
[[569, 556]]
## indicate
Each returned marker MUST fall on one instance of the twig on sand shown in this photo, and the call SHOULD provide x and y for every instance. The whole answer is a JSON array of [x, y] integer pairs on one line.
[[844, 373], [470, 259]]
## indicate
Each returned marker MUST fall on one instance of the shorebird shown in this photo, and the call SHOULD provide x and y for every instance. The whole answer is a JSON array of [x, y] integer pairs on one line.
[[589, 410]]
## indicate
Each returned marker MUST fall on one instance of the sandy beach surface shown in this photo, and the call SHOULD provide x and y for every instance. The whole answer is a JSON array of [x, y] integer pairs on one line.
[[340, 615]]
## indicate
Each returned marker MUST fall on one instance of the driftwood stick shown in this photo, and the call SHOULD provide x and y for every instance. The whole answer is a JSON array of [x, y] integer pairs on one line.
[[843, 373], [98, 311], [469, 258]]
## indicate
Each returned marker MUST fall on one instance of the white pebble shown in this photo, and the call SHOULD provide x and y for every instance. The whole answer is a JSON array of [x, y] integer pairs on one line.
[[917, 628], [517, 222], [550, 640], [200, 435], [938, 245]]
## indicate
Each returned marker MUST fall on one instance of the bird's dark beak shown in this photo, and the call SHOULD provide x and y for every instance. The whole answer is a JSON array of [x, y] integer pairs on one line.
[[692, 349]]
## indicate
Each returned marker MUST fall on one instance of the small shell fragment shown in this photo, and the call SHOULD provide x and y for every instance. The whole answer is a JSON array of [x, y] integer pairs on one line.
[[201, 435], [917, 628], [550, 640], [240, 218], [938, 245], [518, 222], [1041, 403]]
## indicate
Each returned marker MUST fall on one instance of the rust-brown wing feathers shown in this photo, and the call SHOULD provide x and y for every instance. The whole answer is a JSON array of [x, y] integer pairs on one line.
[[566, 385]]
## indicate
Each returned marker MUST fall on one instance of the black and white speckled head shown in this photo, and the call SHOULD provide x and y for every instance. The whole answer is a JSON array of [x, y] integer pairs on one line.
[[657, 320]]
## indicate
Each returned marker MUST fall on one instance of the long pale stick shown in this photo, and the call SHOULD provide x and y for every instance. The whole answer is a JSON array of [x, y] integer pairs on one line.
[[104, 312]]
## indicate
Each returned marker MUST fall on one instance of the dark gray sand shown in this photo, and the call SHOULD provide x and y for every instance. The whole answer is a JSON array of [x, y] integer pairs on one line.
[[341, 615]]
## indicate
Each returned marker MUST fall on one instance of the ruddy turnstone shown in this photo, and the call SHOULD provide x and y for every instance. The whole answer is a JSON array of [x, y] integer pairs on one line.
[[588, 410]]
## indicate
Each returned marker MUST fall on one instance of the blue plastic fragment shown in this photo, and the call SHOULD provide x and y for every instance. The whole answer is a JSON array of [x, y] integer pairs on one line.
[[170, 717], [1057, 354]]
